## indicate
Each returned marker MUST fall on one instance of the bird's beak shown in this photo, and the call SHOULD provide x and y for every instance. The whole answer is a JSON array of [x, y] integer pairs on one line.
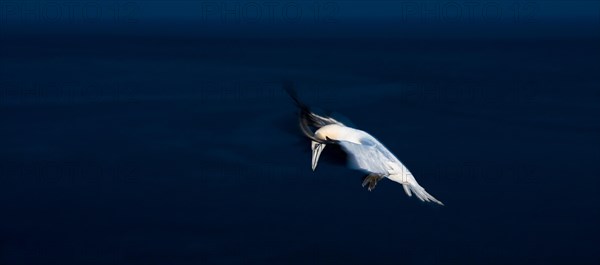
[[317, 148]]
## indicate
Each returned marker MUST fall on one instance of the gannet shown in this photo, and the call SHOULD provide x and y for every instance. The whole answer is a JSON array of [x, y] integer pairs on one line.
[[365, 152]]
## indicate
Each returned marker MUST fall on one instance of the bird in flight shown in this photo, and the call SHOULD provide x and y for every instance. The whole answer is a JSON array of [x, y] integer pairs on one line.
[[366, 153]]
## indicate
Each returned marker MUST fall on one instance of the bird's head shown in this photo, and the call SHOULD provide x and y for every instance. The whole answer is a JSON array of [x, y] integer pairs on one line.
[[326, 134], [329, 133]]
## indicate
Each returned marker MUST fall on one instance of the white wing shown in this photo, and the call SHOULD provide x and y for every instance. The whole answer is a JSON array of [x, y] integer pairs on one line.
[[371, 156]]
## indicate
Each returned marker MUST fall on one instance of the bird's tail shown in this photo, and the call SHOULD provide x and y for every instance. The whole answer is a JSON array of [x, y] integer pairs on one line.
[[420, 193], [411, 186]]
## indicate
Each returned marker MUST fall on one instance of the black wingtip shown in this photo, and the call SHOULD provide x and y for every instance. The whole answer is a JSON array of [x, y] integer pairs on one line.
[[290, 88]]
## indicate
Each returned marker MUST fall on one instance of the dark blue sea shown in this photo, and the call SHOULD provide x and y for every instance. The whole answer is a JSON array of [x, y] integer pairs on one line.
[[151, 141]]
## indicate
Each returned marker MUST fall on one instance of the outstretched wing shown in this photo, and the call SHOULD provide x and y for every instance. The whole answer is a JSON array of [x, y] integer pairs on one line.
[[308, 118]]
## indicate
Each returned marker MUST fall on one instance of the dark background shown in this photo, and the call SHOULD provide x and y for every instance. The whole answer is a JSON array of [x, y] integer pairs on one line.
[[157, 132]]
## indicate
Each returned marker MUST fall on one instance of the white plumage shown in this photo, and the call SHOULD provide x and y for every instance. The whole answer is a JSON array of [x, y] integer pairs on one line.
[[369, 155], [365, 151]]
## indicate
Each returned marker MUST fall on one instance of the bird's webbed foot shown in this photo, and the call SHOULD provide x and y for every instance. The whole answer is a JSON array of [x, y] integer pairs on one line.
[[371, 180]]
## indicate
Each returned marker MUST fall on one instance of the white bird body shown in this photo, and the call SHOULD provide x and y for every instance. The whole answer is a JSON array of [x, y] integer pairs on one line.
[[367, 153]]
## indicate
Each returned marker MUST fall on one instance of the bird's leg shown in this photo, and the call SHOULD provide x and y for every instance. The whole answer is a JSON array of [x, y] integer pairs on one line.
[[372, 180]]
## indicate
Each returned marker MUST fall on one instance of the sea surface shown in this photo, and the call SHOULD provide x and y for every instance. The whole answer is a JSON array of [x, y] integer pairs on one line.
[[170, 149]]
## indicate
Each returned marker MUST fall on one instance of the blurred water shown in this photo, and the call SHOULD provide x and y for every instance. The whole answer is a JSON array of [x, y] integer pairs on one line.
[[148, 150]]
